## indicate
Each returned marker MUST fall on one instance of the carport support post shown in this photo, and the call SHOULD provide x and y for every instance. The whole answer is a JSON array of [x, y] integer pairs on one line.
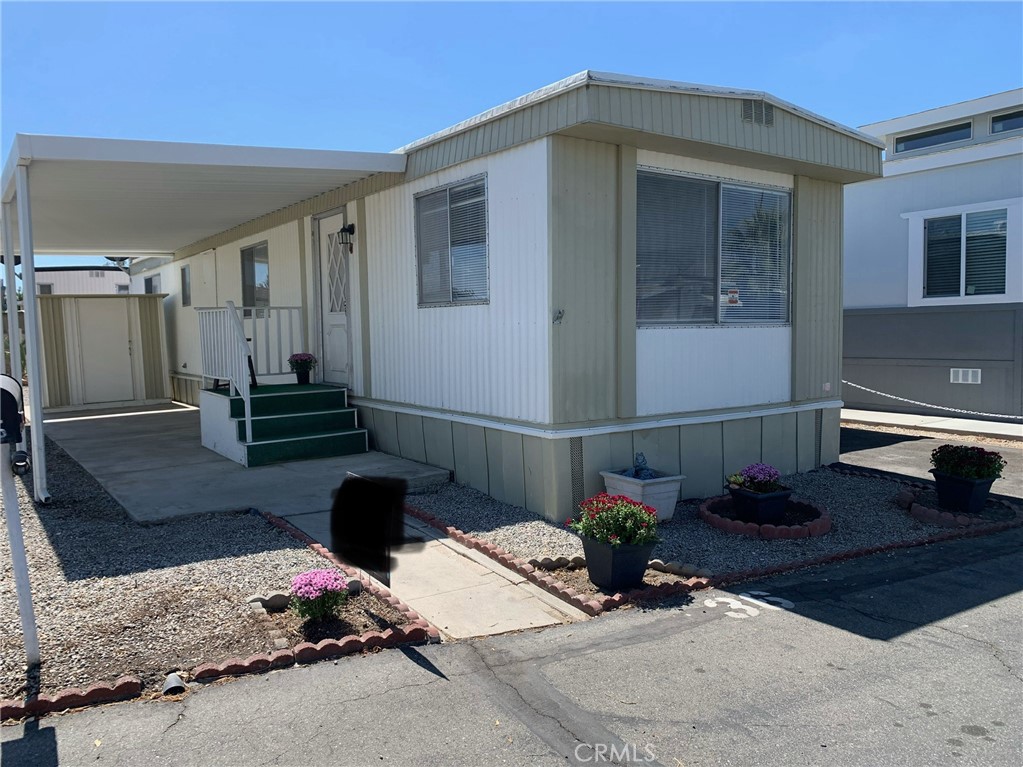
[[28, 281], [12, 515], [11, 296]]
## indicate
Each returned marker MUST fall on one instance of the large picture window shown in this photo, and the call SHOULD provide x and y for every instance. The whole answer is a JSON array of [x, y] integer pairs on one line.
[[964, 255], [451, 244], [709, 252]]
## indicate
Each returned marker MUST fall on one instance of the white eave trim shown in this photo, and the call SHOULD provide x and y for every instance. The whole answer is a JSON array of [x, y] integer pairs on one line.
[[587, 77], [28, 148], [946, 114]]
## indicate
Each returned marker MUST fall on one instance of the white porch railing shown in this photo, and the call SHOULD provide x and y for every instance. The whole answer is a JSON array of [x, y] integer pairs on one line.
[[230, 335]]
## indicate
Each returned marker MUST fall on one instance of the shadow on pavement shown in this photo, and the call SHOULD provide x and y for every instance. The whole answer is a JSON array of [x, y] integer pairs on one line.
[[36, 747], [886, 595]]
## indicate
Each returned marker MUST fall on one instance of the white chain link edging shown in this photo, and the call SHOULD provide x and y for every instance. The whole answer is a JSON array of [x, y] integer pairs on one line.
[[927, 404]]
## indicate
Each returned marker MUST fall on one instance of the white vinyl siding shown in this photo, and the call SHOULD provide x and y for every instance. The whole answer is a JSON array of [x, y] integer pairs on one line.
[[451, 244], [965, 254], [489, 358], [710, 252]]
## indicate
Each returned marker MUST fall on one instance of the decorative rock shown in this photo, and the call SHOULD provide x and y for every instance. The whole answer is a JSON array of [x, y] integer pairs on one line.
[[904, 499]]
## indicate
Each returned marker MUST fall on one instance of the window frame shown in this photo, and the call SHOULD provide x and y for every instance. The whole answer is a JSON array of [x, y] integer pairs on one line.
[[1010, 131], [915, 261], [931, 131], [152, 285], [486, 230], [241, 258], [721, 182], [186, 285]]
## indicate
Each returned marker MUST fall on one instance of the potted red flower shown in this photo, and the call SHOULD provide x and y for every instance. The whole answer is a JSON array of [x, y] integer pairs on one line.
[[618, 536], [964, 475]]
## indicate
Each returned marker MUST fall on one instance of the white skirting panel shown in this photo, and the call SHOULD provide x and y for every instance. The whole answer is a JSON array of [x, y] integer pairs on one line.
[[685, 369]]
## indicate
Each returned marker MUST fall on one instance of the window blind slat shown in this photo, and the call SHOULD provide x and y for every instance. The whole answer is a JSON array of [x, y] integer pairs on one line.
[[985, 252], [676, 250], [942, 255], [754, 255]]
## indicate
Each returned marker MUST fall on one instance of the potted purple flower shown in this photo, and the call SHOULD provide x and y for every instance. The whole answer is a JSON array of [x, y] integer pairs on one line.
[[757, 495], [302, 363]]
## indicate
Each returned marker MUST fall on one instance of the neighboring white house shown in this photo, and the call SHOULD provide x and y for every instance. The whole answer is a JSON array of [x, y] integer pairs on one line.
[[934, 262], [82, 280], [605, 266]]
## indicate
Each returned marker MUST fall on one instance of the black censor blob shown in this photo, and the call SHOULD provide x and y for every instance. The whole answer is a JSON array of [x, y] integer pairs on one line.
[[367, 520]]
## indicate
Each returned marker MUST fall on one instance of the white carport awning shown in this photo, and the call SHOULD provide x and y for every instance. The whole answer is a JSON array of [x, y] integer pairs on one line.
[[132, 198]]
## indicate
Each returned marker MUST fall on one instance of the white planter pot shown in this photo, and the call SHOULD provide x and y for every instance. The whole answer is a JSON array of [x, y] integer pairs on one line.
[[661, 493]]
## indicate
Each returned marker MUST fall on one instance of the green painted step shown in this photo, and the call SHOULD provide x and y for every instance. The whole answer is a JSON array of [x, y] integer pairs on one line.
[[284, 403], [350, 442], [298, 424]]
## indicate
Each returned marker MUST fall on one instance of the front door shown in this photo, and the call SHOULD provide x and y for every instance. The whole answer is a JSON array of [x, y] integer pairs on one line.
[[334, 292]]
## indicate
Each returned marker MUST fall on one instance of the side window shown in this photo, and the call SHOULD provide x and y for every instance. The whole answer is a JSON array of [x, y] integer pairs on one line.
[[451, 245]]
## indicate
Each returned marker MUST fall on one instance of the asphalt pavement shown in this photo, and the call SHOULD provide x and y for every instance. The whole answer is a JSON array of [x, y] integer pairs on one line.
[[909, 455], [906, 658]]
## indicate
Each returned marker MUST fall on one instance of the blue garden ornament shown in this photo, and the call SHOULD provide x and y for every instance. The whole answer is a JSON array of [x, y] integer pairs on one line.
[[640, 469]]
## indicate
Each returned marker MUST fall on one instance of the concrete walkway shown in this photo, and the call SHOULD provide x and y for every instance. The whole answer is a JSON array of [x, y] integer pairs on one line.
[[996, 429], [151, 461]]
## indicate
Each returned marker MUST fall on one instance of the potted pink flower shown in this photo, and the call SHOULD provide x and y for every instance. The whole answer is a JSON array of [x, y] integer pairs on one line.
[[302, 363]]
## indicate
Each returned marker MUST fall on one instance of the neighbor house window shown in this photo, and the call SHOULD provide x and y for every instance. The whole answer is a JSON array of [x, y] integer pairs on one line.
[[1007, 122], [152, 284], [256, 275], [44, 288], [964, 255], [709, 252], [936, 137], [123, 288], [451, 244], [186, 286]]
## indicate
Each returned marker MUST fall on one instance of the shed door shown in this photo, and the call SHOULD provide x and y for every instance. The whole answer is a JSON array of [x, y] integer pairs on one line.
[[105, 349], [336, 363]]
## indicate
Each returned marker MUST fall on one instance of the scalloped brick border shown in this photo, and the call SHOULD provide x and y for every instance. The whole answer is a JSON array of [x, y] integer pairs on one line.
[[597, 604], [813, 529], [125, 688]]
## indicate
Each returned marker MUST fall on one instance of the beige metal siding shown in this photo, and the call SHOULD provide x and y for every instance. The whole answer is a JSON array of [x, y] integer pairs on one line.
[[584, 267], [709, 119], [816, 290], [55, 358], [153, 346]]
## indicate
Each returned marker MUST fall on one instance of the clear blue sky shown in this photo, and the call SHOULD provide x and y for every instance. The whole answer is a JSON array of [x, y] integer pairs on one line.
[[373, 77]]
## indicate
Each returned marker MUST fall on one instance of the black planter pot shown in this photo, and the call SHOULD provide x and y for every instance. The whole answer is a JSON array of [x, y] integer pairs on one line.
[[302, 376], [761, 508], [616, 568], [961, 494]]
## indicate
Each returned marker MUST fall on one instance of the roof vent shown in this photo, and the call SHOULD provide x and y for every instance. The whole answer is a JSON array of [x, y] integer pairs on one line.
[[757, 111]]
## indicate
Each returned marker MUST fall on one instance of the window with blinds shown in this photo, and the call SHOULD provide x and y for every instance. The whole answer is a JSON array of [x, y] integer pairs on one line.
[[964, 255], [451, 244], [709, 253]]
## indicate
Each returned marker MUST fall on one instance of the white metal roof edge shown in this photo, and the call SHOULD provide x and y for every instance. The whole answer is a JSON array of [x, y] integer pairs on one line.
[[627, 81], [30, 147], [944, 114]]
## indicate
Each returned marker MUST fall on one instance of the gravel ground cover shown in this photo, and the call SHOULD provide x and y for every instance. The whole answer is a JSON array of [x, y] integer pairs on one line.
[[113, 597], [862, 509]]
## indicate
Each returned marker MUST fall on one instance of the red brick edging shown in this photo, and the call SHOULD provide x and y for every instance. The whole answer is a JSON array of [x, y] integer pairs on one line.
[[124, 688], [417, 631], [812, 529], [597, 604]]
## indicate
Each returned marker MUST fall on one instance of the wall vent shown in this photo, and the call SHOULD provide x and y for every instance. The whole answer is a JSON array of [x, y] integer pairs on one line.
[[575, 459], [964, 375], [818, 427], [757, 111]]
